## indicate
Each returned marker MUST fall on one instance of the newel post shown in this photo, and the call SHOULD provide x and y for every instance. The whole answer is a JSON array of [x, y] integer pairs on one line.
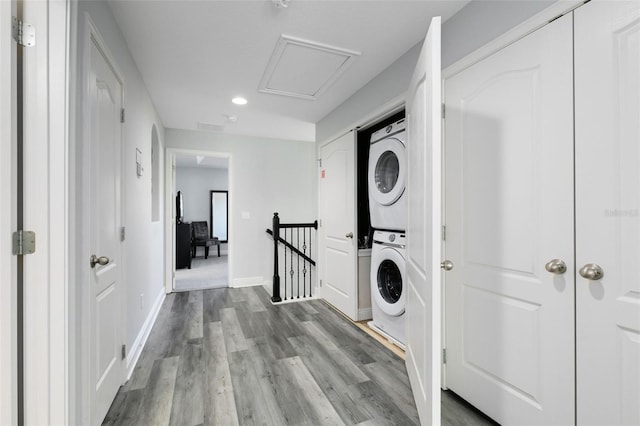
[[276, 278]]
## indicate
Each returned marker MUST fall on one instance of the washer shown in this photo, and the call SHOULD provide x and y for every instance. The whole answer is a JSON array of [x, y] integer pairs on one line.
[[387, 178], [388, 296]]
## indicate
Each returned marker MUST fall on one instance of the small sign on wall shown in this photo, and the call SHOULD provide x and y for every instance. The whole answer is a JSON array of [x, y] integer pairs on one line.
[[138, 162], [322, 174]]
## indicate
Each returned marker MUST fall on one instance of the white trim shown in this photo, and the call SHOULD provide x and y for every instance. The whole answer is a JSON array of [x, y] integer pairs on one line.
[[247, 282], [8, 192], [46, 212], [136, 350], [532, 24], [170, 197], [385, 110], [364, 314]]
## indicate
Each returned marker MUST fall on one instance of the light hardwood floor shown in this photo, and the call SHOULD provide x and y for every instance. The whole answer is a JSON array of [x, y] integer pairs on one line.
[[228, 357]]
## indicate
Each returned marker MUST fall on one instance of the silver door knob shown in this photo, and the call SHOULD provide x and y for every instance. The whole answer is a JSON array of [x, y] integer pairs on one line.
[[556, 266], [95, 260], [447, 265], [591, 271], [349, 235]]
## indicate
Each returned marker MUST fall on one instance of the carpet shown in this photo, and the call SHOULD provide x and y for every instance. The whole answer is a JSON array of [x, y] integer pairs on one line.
[[204, 273]]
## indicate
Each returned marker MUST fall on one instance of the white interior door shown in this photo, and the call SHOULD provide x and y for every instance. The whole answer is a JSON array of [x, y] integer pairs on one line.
[[607, 81], [8, 222], [337, 245], [423, 309], [105, 97], [509, 211]]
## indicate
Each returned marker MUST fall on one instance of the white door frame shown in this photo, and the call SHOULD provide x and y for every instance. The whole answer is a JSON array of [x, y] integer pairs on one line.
[[47, 278], [8, 220], [169, 211]]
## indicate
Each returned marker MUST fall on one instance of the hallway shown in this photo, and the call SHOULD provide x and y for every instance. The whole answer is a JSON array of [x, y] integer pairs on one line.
[[227, 356]]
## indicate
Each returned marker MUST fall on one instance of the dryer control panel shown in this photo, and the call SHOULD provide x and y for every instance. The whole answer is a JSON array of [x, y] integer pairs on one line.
[[391, 238]]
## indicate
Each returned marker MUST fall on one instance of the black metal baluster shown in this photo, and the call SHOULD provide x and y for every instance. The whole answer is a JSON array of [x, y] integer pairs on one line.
[[291, 260], [304, 262], [310, 257], [298, 247], [285, 265], [276, 275]]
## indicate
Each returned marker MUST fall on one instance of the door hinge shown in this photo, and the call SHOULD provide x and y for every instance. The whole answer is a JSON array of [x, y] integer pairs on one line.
[[444, 356], [24, 242], [320, 283], [444, 233], [23, 33], [122, 233], [124, 352], [122, 115], [319, 223], [319, 160], [443, 111]]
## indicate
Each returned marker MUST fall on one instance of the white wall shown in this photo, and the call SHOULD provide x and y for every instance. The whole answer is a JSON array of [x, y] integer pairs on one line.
[[266, 176], [143, 278], [195, 184], [472, 27]]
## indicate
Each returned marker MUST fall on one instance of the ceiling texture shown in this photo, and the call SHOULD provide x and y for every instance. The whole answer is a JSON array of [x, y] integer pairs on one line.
[[293, 60]]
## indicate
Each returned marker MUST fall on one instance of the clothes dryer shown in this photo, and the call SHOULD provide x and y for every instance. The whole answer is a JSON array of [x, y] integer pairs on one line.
[[387, 177], [387, 285]]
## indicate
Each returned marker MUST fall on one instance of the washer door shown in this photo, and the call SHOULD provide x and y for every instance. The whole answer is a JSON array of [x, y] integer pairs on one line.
[[387, 171], [387, 280]]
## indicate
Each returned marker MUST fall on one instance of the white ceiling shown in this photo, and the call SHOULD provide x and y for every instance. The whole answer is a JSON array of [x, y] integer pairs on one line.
[[195, 56], [188, 160]]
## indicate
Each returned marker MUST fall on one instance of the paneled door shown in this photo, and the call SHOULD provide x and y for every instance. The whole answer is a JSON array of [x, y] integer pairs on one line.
[[607, 84], [337, 245], [105, 133], [423, 312], [509, 230]]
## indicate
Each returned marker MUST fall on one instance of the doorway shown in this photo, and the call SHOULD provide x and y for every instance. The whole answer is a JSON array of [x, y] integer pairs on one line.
[[199, 202]]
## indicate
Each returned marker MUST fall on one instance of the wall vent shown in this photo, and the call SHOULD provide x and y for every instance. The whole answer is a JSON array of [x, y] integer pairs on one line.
[[210, 127]]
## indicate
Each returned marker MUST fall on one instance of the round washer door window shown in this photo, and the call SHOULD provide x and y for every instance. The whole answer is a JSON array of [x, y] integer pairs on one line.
[[389, 281], [386, 173], [387, 170]]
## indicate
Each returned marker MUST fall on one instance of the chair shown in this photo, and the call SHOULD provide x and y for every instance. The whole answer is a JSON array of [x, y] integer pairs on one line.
[[201, 238]]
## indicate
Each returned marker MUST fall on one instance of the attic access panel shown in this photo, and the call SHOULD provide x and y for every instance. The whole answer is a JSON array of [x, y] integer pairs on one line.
[[304, 69]]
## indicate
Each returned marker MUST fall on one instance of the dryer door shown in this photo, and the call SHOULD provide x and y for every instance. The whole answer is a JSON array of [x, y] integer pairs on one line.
[[388, 279], [387, 171]]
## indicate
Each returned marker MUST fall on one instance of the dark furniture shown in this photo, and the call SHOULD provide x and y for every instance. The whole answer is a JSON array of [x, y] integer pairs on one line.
[[183, 245], [201, 238]]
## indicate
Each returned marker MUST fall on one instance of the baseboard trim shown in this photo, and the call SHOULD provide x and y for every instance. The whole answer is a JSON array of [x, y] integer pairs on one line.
[[247, 282], [364, 314], [136, 349]]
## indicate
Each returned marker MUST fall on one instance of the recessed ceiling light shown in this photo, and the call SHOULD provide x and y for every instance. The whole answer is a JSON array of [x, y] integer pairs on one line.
[[238, 100]]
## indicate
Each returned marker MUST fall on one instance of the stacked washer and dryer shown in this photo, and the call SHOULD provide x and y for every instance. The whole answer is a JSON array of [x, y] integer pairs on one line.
[[388, 209]]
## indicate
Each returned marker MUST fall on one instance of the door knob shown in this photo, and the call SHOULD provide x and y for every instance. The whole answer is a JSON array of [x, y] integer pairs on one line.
[[591, 271], [447, 265], [556, 266], [95, 260], [349, 235]]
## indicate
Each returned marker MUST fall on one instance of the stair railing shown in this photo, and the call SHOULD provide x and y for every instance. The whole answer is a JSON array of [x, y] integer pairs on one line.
[[293, 239]]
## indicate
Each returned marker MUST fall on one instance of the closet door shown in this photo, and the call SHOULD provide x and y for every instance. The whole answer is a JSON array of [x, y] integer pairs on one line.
[[607, 86], [509, 212]]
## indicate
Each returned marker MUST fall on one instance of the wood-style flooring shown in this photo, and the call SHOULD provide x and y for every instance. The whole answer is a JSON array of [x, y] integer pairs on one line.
[[230, 357]]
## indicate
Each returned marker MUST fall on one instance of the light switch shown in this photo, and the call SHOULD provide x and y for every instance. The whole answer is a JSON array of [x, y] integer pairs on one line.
[[246, 215]]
